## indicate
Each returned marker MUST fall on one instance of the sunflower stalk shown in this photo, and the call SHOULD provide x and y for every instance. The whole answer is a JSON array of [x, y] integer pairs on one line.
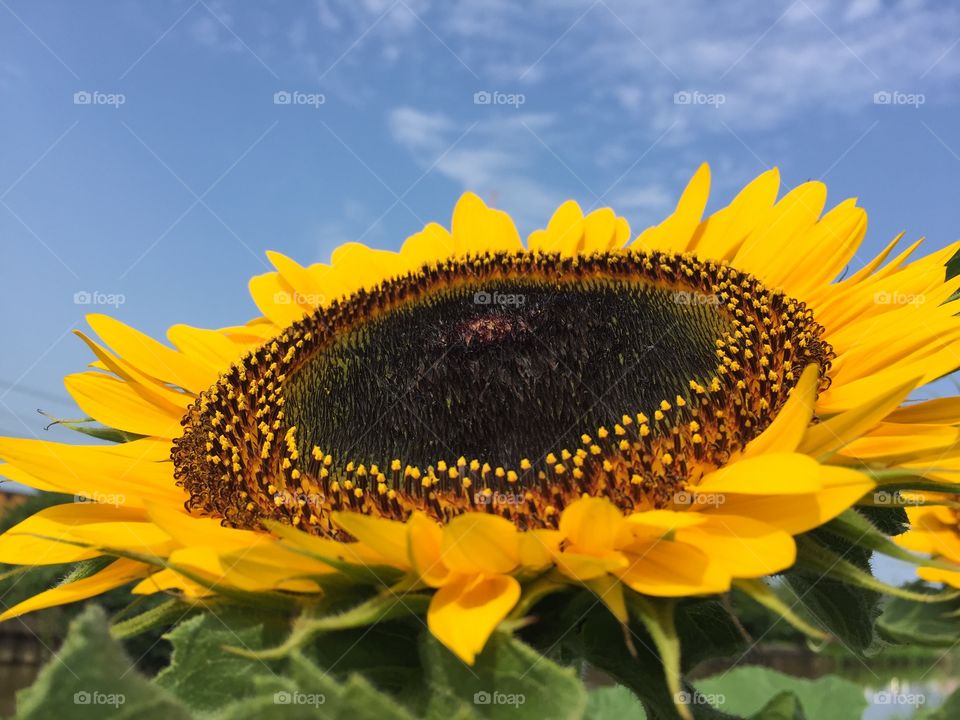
[[657, 616], [385, 606]]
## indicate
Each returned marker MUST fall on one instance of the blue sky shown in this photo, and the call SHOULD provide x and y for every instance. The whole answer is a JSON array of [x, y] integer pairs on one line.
[[168, 186], [171, 183]]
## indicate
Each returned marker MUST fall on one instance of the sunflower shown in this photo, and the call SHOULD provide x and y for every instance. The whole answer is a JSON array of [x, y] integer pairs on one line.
[[481, 421]]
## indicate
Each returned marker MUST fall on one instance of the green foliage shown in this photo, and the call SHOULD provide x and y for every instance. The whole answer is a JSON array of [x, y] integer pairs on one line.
[[746, 692], [926, 624], [92, 677]]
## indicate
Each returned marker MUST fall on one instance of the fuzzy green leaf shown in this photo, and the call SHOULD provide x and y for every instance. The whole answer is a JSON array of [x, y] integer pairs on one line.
[[509, 680], [753, 691], [92, 677]]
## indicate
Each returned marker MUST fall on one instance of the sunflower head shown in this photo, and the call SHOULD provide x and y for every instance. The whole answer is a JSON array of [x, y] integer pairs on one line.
[[513, 383]]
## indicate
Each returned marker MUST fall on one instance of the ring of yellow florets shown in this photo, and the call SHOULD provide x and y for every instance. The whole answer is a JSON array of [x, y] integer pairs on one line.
[[240, 460]]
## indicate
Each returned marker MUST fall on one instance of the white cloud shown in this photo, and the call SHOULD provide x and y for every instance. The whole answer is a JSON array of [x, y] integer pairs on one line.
[[495, 157]]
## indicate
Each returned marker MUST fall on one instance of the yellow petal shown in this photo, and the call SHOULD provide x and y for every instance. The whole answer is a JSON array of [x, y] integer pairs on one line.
[[480, 543], [477, 228], [33, 541], [832, 434], [609, 590], [274, 297], [114, 403], [747, 548], [463, 614], [124, 474], [721, 235], [791, 423], [676, 232], [770, 474], [117, 573], [671, 569], [151, 356], [594, 525], [564, 232], [538, 548], [584, 567], [841, 488], [388, 538], [426, 538]]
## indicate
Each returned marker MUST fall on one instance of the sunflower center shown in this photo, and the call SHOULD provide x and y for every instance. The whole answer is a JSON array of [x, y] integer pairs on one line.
[[512, 382], [502, 370]]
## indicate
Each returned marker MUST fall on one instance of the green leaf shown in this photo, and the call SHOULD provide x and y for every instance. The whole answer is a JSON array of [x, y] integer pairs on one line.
[[590, 632], [785, 706], [913, 623], [93, 678], [953, 266], [203, 674], [89, 426], [508, 680], [814, 557], [761, 593], [613, 703], [751, 691]]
